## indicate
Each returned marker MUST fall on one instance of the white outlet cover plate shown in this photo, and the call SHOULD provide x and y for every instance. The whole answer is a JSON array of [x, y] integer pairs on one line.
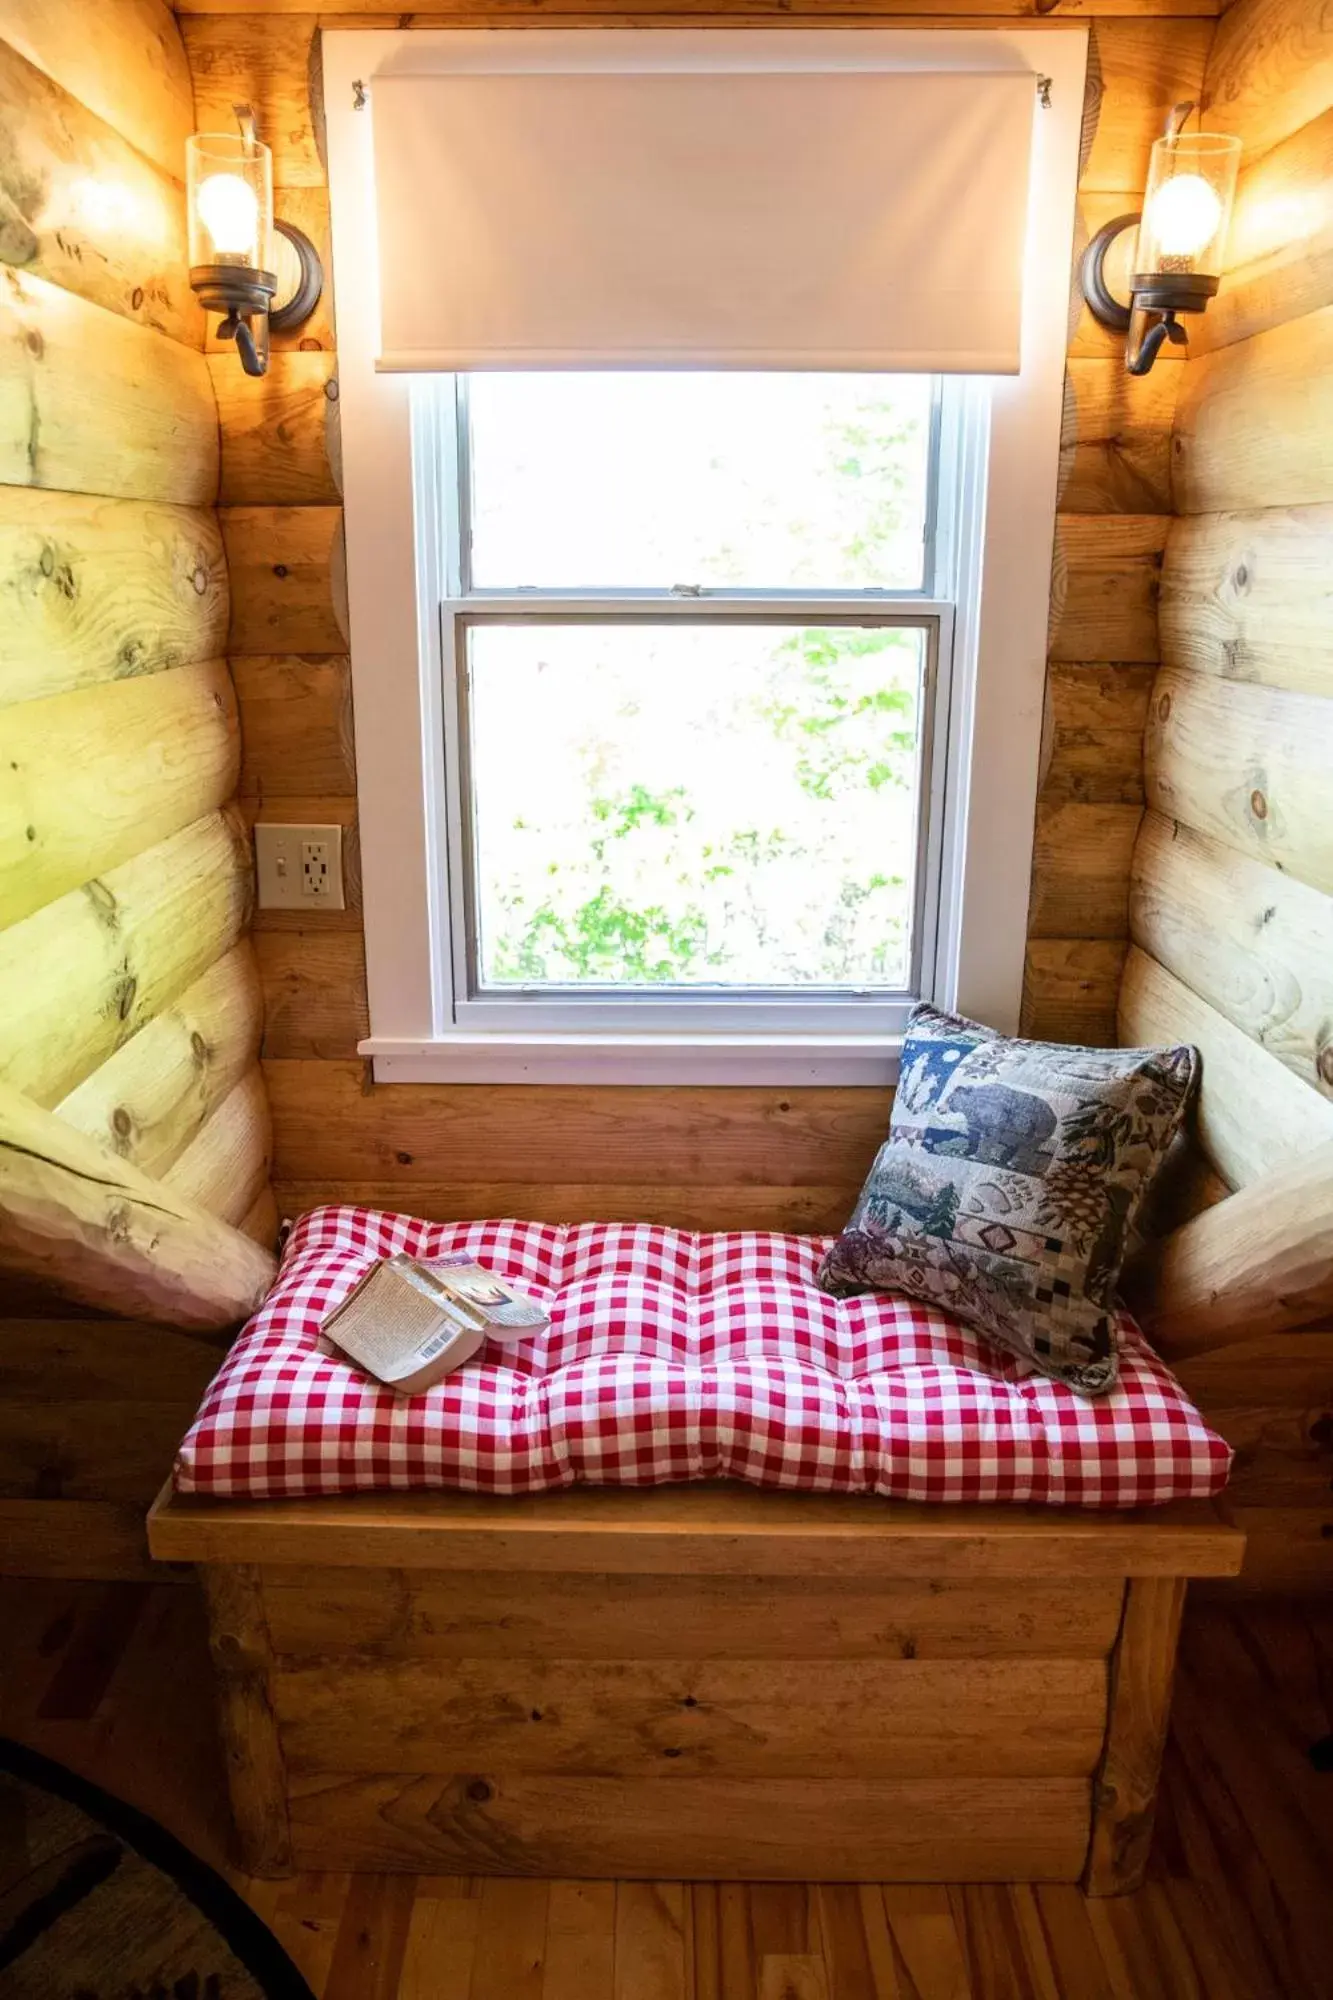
[[278, 854]]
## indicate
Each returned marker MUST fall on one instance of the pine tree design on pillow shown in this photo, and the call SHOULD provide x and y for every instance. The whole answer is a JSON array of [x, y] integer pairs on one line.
[[1007, 1186]]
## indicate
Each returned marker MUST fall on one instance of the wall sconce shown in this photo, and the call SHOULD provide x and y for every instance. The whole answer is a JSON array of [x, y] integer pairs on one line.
[[1182, 240], [235, 242]]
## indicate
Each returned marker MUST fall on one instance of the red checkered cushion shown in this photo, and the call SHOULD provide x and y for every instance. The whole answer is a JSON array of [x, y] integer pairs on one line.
[[672, 1356]]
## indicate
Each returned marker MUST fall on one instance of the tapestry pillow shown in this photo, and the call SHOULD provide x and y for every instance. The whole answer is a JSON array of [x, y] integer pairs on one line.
[[1006, 1188]]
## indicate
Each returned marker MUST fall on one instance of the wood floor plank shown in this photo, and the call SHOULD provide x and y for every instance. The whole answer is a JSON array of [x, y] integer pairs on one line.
[[86, 1668], [650, 1941], [305, 1918], [441, 1944], [1071, 1942], [580, 1942], [372, 1938], [927, 1940], [846, 1948], [511, 1940], [787, 1976]]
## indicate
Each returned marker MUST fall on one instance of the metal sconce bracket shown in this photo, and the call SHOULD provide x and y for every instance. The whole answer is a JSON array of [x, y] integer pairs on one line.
[[244, 295], [1151, 318]]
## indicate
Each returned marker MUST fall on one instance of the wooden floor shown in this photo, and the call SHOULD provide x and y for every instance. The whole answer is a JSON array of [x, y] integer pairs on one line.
[[113, 1680]]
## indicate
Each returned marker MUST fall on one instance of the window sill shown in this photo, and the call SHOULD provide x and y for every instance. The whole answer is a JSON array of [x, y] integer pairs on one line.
[[779, 1061]]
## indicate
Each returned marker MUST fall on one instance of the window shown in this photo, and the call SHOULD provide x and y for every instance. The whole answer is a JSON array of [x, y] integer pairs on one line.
[[506, 530], [693, 654]]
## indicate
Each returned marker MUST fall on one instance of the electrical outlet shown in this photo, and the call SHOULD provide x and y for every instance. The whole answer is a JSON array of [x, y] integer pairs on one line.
[[299, 867]]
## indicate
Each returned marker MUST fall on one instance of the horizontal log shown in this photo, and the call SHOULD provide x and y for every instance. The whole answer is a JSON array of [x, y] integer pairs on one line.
[[1288, 1551], [126, 63], [1270, 1377], [1252, 421], [1280, 246], [314, 992], [65, 1448], [81, 976], [1255, 944], [110, 1361], [1069, 990], [802, 1211], [99, 590], [1270, 71], [1115, 439], [225, 1167], [1246, 764], [1104, 582], [149, 1100], [92, 403], [288, 575], [903, 1830], [98, 1229], [1137, 69], [1092, 733], [616, 1718], [273, 64], [262, 1221], [1184, 1185], [281, 444], [1080, 870], [1256, 1264], [1249, 597], [91, 1541], [490, 1614], [1253, 1117], [128, 251], [331, 1126], [92, 778], [296, 722]]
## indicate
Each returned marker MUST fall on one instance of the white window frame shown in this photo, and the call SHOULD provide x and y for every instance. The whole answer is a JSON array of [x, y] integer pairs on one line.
[[992, 572]]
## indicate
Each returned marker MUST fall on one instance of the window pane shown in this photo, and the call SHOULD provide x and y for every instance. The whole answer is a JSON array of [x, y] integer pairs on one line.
[[646, 481], [688, 805]]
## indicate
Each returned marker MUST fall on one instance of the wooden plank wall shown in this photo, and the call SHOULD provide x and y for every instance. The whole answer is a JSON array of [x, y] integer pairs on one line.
[[710, 1157], [130, 1001], [1231, 896]]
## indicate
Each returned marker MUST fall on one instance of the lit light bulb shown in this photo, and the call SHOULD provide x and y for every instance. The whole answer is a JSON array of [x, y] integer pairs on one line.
[[1185, 214], [229, 210]]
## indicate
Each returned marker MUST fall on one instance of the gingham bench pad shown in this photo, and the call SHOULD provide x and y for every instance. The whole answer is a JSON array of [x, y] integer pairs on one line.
[[673, 1356]]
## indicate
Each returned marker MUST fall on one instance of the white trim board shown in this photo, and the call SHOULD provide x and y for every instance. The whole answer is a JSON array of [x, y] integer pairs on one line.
[[995, 736]]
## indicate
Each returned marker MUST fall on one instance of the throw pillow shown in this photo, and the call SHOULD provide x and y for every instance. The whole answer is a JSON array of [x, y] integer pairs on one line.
[[1005, 1191]]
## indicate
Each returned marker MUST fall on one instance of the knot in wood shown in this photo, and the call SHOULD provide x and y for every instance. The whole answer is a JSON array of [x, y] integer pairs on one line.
[[480, 1790], [1324, 1063], [200, 580], [1258, 804], [121, 1122], [1164, 708], [1241, 579], [136, 297]]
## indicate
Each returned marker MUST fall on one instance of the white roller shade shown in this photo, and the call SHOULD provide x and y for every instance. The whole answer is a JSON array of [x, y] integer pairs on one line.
[[822, 220]]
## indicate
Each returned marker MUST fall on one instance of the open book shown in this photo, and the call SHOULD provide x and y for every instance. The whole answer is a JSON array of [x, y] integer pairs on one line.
[[412, 1320]]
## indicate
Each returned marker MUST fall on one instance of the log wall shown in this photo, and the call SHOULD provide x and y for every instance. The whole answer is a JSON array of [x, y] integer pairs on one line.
[[130, 1001], [1231, 889], [696, 1157]]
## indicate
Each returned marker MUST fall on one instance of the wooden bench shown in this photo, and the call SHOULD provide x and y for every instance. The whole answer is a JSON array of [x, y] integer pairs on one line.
[[702, 1681]]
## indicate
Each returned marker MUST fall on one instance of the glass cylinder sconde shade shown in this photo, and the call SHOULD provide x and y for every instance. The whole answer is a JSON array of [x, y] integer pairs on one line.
[[230, 198], [1187, 205]]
